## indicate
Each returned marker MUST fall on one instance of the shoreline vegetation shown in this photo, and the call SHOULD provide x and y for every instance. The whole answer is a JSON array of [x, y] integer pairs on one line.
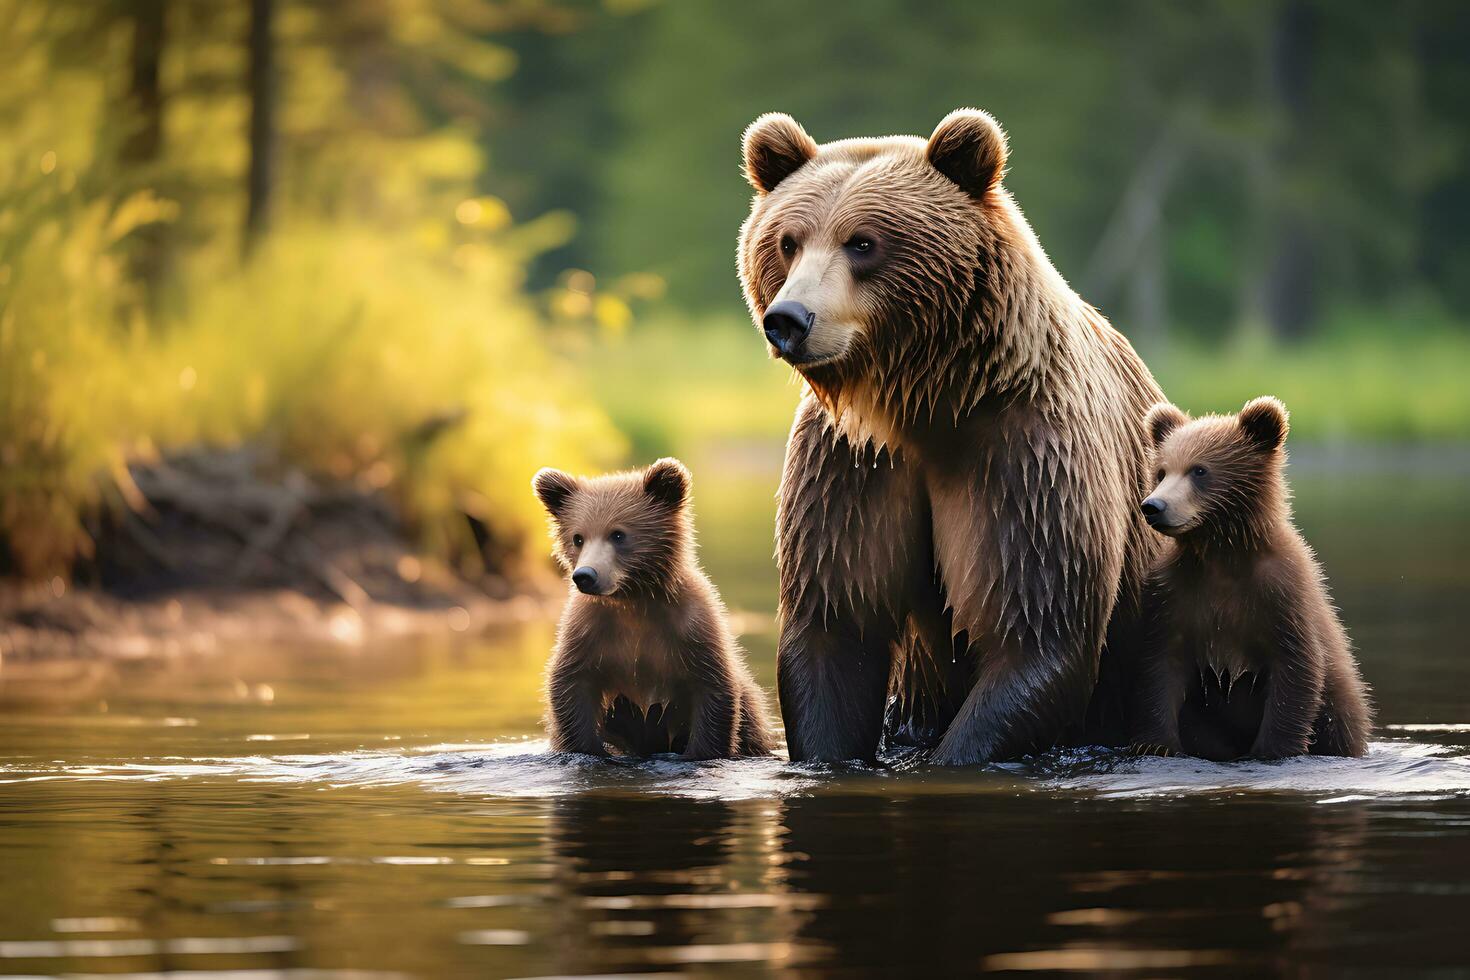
[[244, 236]]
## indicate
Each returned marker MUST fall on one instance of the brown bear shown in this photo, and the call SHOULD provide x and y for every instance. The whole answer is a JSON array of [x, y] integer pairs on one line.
[[958, 516], [644, 659], [1244, 654]]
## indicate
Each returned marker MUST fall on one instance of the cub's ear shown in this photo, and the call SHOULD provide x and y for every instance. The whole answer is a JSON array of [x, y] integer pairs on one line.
[[1161, 420], [554, 488], [1264, 421], [667, 481], [969, 148], [775, 145]]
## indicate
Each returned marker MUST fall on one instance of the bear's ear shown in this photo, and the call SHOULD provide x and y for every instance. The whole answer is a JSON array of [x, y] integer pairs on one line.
[[1161, 420], [775, 145], [554, 488], [667, 481], [969, 148], [1264, 421]]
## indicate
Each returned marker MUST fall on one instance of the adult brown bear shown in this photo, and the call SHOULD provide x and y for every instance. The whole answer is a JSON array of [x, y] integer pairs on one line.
[[958, 516]]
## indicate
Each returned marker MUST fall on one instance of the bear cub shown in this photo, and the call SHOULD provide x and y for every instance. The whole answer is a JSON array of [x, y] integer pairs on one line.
[[1245, 655], [645, 661]]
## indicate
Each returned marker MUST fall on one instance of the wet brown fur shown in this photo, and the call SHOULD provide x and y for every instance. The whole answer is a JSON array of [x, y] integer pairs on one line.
[[1245, 654], [958, 523], [652, 665]]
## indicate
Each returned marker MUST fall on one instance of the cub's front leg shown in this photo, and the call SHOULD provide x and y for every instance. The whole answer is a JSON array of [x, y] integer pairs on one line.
[[1165, 683], [713, 728], [1164, 677], [574, 697], [713, 688], [1293, 697]]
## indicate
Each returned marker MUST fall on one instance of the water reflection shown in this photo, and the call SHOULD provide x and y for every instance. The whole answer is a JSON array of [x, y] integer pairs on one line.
[[671, 882], [869, 872], [936, 882]]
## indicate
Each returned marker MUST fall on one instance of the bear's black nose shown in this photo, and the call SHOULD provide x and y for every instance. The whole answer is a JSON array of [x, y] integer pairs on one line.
[[585, 579], [1153, 507], [787, 323]]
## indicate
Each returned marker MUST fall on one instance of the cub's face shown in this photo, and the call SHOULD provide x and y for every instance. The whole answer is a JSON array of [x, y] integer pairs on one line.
[[618, 535], [1216, 471], [852, 244]]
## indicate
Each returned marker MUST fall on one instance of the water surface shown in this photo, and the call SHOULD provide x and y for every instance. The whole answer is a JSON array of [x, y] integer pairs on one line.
[[394, 811]]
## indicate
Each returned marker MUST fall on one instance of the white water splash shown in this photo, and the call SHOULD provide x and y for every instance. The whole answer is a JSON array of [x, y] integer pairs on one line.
[[1390, 769], [527, 769]]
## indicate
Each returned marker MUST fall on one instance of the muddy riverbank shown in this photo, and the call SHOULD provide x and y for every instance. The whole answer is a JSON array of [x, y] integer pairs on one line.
[[225, 547]]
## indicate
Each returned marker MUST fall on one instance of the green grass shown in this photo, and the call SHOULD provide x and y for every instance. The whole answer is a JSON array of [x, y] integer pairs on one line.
[[1375, 381], [677, 386]]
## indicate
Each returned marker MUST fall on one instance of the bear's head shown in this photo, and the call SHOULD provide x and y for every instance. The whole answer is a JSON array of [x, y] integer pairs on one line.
[[622, 535], [1219, 477], [889, 264]]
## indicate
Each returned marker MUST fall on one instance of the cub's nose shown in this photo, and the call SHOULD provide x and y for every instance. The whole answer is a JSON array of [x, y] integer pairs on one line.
[[1153, 507], [787, 324], [585, 579]]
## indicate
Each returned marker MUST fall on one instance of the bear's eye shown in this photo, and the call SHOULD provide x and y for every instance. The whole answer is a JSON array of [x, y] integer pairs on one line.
[[1161, 476], [861, 244], [788, 246], [1199, 471], [618, 537], [576, 541]]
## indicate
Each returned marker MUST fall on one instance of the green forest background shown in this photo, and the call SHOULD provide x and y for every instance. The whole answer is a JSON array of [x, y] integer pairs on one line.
[[427, 246]]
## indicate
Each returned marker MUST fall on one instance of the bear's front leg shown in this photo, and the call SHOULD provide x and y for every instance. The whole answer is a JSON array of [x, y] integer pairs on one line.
[[1030, 555], [853, 549], [833, 683], [1018, 706]]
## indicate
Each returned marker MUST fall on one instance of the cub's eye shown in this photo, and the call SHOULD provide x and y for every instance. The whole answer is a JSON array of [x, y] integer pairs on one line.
[[861, 244], [576, 541], [1198, 471], [1160, 475], [788, 246], [618, 537]]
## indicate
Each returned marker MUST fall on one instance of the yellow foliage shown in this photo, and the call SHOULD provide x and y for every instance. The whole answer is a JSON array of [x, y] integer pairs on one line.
[[341, 346], [355, 344]]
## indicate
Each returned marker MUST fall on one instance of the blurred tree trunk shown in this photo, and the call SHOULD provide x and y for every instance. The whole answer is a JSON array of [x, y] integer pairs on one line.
[[146, 141], [1129, 258], [262, 121], [143, 147], [1147, 306], [1288, 293]]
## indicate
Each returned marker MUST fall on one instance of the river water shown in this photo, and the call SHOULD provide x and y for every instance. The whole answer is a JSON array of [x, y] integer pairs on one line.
[[393, 811]]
